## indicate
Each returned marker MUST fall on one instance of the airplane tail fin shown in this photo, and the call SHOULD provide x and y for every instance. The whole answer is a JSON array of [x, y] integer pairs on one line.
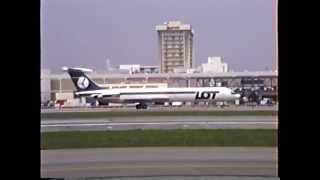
[[80, 80]]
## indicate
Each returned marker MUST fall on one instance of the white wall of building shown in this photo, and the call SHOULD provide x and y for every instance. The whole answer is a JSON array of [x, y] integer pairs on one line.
[[45, 85], [140, 85], [132, 68], [214, 65], [69, 100], [188, 70]]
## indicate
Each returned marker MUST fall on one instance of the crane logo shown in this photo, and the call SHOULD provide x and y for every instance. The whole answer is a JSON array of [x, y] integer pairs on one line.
[[83, 82]]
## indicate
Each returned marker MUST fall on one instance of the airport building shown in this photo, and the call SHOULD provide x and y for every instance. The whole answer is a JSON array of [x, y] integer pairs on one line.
[[60, 87], [137, 68], [175, 46], [149, 69], [134, 85], [131, 68], [214, 65], [45, 81]]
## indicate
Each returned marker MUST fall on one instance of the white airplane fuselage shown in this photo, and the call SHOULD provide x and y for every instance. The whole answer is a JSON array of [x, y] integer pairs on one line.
[[162, 94], [142, 96]]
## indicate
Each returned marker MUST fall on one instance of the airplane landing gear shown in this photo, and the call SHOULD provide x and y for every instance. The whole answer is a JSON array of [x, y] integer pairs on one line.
[[141, 106]]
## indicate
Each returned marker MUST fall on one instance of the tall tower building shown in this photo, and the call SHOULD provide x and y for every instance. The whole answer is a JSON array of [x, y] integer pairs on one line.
[[175, 44]]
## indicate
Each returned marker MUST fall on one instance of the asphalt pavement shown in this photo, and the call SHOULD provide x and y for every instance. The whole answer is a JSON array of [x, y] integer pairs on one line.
[[160, 161], [161, 109], [160, 122]]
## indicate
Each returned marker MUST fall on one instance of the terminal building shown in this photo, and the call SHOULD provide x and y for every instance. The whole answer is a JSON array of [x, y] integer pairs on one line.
[[60, 87], [137, 68]]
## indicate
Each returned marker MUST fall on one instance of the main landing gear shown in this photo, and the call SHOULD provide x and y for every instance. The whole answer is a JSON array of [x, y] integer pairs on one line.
[[141, 106]]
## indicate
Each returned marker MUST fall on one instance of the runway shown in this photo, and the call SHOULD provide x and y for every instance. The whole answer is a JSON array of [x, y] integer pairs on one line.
[[161, 122], [159, 161]]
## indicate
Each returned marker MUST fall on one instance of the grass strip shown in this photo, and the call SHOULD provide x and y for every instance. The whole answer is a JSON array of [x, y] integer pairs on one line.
[[70, 115], [145, 138]]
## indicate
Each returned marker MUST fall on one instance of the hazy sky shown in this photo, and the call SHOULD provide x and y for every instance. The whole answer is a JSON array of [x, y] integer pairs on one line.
[[87, 32]]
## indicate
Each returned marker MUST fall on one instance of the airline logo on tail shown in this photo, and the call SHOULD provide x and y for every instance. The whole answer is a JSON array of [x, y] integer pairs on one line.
[[83, 82]]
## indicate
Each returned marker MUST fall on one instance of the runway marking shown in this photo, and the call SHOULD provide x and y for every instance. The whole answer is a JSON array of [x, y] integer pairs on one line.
[[73, 121], [161, 123]]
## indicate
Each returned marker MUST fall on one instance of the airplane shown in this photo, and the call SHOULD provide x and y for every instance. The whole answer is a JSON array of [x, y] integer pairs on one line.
[[143, 96]]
